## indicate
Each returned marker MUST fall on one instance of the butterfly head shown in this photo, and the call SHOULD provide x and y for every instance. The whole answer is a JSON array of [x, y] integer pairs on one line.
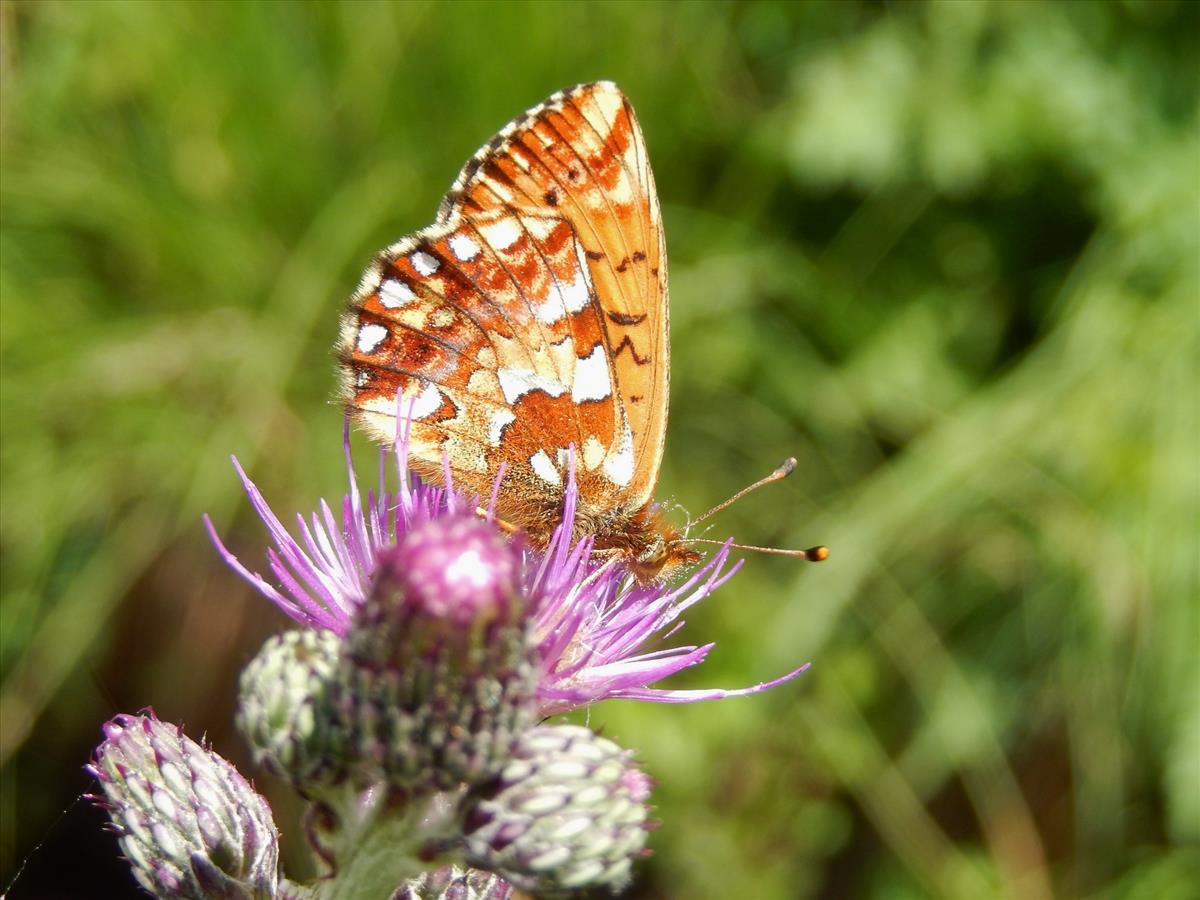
[[665, 552], [655, 549]]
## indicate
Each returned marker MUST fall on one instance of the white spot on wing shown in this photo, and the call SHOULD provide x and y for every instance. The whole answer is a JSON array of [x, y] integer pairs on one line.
[[498, 421], [551, 311], [516, 383], [609, 103], [371, 336], [564, 299], [519, 157], [576, 294], [619, 467], [427, 403], [593, 452], [502, 233], [382, 407], [394, 294], [423, 263], [544, 469], [540, 226], [591, 377], [464, 247], [497, 188]]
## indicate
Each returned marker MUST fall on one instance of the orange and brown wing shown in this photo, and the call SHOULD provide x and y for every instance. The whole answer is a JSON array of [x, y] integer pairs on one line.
[[581, 155], [490, 329]]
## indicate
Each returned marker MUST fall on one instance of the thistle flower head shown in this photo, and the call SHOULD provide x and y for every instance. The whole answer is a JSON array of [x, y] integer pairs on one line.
[[595, 626], [457, 571], [568, 812], [437, 675], [189, 823]]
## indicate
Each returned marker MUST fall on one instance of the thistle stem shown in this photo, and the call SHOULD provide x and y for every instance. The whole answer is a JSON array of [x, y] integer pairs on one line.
[[377, 841]]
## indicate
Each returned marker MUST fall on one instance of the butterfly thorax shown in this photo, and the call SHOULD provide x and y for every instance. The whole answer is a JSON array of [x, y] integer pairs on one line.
[[640, 537], [654, 547]]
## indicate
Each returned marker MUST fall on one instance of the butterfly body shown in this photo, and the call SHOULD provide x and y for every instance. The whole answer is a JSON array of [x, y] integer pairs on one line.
[[528, 326]]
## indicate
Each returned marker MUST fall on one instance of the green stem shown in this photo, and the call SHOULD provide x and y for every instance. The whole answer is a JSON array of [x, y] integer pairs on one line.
[[377, 842]]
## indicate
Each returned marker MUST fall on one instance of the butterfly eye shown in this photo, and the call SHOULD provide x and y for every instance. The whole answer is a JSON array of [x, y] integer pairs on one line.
[[654, 551]]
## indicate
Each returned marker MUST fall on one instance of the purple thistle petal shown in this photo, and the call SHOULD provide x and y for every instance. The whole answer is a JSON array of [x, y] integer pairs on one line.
[[325, 614], [354, 530], [448, 480], [256, 580], [491, 510], [291, 557], [660, 695], [599, 632], [334, 538]]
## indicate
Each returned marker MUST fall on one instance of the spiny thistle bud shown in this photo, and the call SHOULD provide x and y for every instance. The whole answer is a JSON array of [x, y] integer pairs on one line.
[[567, 812], [454, 883], [283, 707], [438, 674], [189, 823]]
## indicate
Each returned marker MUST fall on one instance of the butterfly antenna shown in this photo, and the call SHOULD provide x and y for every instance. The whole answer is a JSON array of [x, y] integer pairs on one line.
[[782, 471], [812, 554], [785, 468]]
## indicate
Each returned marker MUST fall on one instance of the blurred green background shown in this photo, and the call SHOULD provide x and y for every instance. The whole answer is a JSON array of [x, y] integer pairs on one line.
[[945, 253]]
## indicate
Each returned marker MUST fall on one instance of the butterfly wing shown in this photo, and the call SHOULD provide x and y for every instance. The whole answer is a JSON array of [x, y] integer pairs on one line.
[[581, 154], [532, 317], [490, 330]]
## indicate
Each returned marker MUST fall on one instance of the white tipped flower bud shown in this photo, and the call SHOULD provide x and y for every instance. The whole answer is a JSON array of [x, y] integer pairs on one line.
[[568, 812], [188, 822], [283, 708]]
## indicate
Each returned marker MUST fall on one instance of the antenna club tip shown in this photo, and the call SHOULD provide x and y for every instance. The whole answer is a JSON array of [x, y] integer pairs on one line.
[[817, 554], [786, 468]]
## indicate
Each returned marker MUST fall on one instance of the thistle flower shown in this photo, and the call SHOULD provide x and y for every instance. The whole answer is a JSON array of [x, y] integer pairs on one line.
[[591, 620], [189, 823], [437, 676], [568, 812]]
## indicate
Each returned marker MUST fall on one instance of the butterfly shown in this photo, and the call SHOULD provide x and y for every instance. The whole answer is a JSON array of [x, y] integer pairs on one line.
[[528, 327]]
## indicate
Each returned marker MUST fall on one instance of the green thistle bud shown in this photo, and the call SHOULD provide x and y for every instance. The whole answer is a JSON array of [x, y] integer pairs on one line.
[[283, 708], [188, 822], [567, 812], [438, 674], [454, 883]]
